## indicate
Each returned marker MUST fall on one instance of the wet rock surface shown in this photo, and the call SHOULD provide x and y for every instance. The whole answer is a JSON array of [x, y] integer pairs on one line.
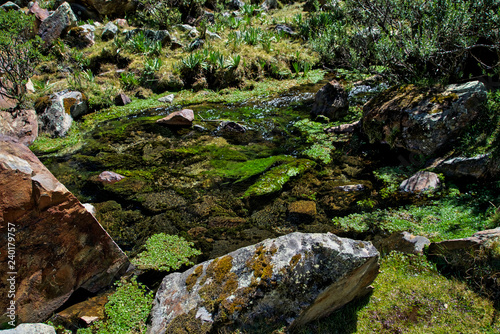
[[290, 281], [60, 246], [331, 101]]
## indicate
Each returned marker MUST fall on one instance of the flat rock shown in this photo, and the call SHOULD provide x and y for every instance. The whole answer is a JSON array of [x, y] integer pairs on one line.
[[290, 280], [167, 99], [184, 117], [60, 246]]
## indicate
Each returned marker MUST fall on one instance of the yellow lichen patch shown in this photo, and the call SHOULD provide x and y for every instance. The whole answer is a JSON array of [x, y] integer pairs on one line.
[[261, 263], [443, 98], [295, 260], [191, 280]]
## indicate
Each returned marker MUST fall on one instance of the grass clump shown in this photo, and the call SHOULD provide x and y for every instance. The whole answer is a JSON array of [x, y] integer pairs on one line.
[[165, 252], [410, 296]]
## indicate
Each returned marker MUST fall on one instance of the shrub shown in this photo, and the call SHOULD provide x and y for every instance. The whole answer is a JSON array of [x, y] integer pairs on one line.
[[19, 53], [413, 39], [165, 252]]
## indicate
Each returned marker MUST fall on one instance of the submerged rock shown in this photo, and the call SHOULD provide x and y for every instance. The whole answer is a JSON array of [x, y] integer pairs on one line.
[[291, 280], [423, 120], [108, 177], [59, 246]]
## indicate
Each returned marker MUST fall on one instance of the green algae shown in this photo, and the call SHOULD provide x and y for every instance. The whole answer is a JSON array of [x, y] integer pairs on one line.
[[273, 180], [245, 170]]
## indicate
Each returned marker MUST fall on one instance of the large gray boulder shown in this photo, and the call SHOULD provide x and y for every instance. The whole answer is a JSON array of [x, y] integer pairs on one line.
[[291, 280], [58, 23], [420, 120]]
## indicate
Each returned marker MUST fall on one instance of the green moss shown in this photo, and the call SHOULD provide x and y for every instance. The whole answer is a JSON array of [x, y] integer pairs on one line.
[[274, 179]]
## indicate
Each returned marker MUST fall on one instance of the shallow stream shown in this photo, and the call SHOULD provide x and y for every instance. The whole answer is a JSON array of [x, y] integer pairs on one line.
[[219, 187]]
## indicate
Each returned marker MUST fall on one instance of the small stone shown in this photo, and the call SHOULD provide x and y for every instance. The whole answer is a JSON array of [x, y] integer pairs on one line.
[[351, 187], [109, 32], [184, 117], [167, 99], [230, 126], [109, 177], [122, 100]]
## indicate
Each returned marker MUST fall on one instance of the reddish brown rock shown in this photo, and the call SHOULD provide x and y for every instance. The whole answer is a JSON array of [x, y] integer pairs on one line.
[[58, 247], [21, 124], [40, 14], [83, 313], [109, 177], [184, 117]]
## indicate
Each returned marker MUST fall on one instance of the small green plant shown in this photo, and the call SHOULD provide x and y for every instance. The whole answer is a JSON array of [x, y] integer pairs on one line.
[[141, 45], [165, 252], [151, 67], [127, 309], [128, 80]]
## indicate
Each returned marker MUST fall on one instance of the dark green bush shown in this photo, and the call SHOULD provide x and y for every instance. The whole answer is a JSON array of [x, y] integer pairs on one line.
[[441, 39]]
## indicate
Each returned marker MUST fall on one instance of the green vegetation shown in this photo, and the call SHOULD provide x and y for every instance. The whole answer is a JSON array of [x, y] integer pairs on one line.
[[411, 40], [165, 252], [126, 311], [438, 220], [411, 296], [20, 53]]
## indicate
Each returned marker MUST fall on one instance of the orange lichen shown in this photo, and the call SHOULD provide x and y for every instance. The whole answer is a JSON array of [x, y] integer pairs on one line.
[[295, 260]]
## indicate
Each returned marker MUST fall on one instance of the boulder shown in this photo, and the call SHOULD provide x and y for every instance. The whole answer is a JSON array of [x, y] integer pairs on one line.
[[109, 32], [56, 113], [81, 37], [31, 329], [421, 181], [423, 121], [110, 8], [21, 124], [184, 117], [477, 167], [59, 246], [122, 100], [58, 23], [291, 280], [331, 101], [109, 177]]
